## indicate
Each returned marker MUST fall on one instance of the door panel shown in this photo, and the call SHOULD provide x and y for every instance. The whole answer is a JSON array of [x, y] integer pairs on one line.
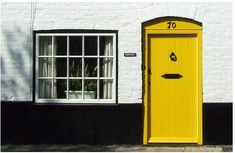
[[173, 85]]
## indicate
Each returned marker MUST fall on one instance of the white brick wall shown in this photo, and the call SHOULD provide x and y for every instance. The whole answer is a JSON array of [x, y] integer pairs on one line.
[[16, 52]]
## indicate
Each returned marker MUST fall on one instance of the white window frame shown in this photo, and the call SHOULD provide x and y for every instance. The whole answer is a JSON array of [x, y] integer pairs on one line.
[[82, 101]]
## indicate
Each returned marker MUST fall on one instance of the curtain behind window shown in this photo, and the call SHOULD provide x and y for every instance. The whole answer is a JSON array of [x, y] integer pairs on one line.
[[108, 68], [45, 67]]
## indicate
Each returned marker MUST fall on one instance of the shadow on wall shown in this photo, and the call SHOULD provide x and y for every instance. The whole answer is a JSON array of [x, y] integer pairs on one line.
[[16, 64]]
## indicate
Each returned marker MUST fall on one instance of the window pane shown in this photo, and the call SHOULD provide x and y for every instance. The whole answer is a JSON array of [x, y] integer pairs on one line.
[[60, 69], [90, 89], [45, 67], [75, 45], [45, 89], [106, 87], [75, 67], [45, 45], [106, 45], [75, 89], [60, 45], [75, 84], [106, 67], [60, 88], [90, 45], [90, 68]]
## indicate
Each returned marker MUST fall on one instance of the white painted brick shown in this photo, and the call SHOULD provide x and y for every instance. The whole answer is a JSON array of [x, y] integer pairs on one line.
[[16, 61]]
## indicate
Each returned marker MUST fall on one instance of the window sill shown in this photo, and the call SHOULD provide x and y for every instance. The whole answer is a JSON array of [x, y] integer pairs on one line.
[[75, 102]]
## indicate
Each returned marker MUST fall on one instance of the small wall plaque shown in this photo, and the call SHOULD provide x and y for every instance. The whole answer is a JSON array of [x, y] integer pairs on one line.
[[130, 54]]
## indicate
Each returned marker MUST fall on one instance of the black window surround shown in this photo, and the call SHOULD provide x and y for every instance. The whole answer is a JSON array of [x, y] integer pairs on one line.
[[58, 32]]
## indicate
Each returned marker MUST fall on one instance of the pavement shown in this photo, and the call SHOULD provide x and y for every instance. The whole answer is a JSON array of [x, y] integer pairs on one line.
[[115, 148]]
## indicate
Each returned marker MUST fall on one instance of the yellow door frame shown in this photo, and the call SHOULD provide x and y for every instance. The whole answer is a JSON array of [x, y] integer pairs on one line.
[[171, 25]]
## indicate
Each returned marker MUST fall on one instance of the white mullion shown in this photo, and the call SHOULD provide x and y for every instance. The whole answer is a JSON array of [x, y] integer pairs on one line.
[[107, 78], [45, 78], [37, 72], [73, 56], [75, 34], [67, 80], [90, 78], [52, 54], [83, 64], [106, 56], [114, 69], [75, 78], [44, 56], [60, 56], [98, 68]]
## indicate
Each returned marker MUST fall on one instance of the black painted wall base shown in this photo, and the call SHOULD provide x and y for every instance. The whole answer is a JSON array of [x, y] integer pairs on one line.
[[217, 123], [27, 123], [67, 124]]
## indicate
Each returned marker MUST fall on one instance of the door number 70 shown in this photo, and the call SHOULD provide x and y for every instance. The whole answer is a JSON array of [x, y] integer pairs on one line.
[[171, 25]]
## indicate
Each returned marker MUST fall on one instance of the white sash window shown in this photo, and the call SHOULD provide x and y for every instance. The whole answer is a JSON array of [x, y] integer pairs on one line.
[[75, 68]]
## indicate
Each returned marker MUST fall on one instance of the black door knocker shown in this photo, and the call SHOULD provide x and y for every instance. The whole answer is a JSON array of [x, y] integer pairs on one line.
[[173, 57]]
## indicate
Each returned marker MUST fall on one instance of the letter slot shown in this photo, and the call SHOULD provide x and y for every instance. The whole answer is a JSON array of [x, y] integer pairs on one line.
[[172, 76]]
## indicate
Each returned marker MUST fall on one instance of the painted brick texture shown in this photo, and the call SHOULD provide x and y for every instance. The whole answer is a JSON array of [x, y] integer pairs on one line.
[[19, 19]]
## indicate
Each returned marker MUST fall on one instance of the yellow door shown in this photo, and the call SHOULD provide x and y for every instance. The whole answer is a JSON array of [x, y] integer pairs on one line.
[[172, 81], [173, 107]]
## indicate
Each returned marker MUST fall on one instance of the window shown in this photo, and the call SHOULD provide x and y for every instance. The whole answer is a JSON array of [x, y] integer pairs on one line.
[[76, 67]]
